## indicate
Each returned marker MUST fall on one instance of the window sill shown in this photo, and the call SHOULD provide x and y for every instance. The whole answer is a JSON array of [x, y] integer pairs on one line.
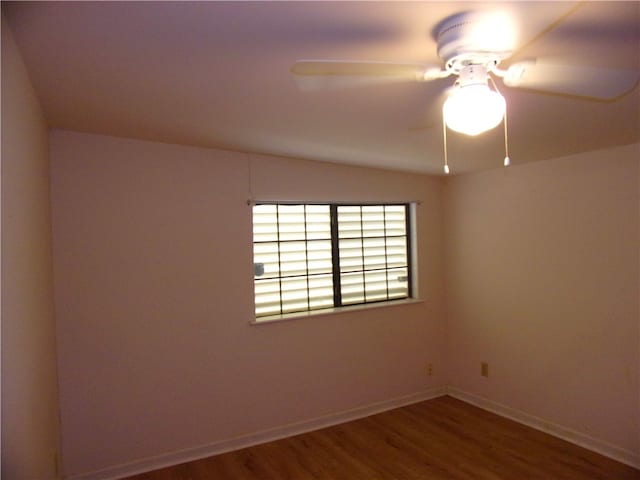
[[333, 311]]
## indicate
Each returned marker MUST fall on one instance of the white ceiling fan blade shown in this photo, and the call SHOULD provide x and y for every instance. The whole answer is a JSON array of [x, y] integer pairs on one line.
[[311, 83], [591, 83], [404, 71]]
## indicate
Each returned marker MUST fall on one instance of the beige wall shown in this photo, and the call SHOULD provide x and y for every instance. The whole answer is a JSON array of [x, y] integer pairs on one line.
[[542, 283], [153, 271], [29, 391]]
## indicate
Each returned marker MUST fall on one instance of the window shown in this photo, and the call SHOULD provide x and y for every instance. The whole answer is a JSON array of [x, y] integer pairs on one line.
[[316, 256]]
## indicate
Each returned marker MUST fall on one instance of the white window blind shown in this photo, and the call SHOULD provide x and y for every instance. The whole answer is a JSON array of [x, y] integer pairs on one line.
[[373, 253], [310, 257]]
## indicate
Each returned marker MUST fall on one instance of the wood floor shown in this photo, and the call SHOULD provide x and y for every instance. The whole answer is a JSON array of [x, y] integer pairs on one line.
[[442, 438]]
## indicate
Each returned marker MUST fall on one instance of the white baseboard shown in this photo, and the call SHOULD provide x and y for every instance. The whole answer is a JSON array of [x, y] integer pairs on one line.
[[578, 438], [204, 451]]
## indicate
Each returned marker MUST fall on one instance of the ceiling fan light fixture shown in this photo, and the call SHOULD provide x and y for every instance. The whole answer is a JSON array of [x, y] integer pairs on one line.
[[473, 109]]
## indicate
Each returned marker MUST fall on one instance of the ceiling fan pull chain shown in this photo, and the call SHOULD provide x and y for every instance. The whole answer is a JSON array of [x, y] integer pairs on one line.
[[507, 160], [444, 135]]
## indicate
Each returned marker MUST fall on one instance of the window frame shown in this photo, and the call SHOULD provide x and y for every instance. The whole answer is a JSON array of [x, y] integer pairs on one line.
[[409, 236]]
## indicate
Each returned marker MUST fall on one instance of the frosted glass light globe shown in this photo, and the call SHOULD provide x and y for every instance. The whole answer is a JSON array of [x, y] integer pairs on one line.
[[473, 109]]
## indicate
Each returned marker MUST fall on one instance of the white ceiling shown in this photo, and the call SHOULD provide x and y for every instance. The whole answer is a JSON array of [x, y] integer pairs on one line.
[[216, 74]]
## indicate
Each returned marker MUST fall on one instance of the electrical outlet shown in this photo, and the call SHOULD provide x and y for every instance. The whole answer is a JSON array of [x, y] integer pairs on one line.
[[429, 369], [484, 369]]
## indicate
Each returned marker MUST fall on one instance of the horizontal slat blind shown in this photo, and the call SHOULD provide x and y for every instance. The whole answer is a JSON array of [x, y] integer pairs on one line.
[[294, 268], [292, 254], [373, 253]]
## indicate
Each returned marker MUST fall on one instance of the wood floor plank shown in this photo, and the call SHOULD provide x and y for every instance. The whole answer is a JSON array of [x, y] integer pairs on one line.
[[440, 439]]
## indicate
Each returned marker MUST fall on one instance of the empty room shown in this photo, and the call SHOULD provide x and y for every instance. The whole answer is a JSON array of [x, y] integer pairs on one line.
[[320, 240]]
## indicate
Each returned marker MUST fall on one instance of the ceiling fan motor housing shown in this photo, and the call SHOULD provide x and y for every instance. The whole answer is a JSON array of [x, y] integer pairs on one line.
[[461, 43]]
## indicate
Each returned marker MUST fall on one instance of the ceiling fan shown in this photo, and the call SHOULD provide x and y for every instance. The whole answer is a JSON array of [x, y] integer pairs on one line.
[[471, 46]]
